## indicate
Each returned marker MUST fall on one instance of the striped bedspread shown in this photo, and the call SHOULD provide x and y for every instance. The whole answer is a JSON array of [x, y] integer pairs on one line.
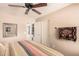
[[26, 48]]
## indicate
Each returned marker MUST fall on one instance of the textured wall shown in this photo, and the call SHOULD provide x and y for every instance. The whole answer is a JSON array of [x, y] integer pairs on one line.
[[66, 17]]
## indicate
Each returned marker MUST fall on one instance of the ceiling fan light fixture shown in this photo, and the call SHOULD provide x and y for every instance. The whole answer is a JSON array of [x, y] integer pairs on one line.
[[31, 6]]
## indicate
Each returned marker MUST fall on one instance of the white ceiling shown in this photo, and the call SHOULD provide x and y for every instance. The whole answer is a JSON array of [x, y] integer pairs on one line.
[[20, 12]]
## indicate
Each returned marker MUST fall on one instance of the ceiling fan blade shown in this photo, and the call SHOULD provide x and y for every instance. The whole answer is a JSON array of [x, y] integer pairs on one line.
[[39, 5], [36, 11], [26, 12], [16, 6]]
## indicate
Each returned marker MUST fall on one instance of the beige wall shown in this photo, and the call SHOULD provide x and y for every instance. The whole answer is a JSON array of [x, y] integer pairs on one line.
[[66, 17], [16, 19]]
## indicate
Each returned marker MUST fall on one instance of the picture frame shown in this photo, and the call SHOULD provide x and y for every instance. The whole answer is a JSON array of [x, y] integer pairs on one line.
[[67, 33], [9, 30]]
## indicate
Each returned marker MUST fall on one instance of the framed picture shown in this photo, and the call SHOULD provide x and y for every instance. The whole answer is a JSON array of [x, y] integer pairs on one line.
[[68, 33], [9, 30]]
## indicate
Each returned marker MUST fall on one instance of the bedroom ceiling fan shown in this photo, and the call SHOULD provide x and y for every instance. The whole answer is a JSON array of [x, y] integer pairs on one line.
[[31, 6]]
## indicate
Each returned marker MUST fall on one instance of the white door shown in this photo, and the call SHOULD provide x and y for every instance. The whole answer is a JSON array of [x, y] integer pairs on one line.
[[45, 32], [41, 32], [38, 32]]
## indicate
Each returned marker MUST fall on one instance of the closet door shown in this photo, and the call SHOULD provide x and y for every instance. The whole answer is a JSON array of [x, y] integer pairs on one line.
[[38, 32], [41, 32], [45, 32]]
